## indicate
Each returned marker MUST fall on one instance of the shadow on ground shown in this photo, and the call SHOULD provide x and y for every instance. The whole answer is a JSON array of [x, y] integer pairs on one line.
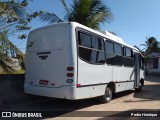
[[152, 78], [150, 92], [50, 107], [56, 107]]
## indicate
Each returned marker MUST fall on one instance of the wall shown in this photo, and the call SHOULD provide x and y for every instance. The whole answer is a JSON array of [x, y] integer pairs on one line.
[[153, 66], [11, 90]]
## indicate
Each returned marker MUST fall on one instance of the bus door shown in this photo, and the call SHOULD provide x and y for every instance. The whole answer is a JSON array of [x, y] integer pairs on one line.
[[137, 70]]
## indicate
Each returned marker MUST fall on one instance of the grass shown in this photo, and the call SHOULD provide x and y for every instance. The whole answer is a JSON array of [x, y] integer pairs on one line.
[[14, 72]]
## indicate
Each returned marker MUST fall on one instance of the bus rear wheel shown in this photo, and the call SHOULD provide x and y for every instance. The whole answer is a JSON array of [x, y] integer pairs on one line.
[[107, 97], [139, 89]]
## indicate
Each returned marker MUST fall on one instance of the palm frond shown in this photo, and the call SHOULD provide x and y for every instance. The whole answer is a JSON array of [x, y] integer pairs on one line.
[[99, 13], [65, 6], [12, 9], [50, 18], [89, 13], [151, 45], [143, 45], [19, 10]]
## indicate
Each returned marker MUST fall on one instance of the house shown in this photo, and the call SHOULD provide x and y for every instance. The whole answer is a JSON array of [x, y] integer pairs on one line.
[[15, 64], [153, 64]]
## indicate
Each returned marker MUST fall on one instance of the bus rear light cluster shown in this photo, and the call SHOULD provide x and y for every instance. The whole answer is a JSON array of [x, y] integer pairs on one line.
[[69, 74], [69, 68]]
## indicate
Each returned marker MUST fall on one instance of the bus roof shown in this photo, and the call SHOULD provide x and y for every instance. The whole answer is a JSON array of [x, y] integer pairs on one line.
[[104, 34]]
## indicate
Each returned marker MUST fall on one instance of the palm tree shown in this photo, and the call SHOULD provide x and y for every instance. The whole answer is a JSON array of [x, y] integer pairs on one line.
[[87, 12], [151, 45]]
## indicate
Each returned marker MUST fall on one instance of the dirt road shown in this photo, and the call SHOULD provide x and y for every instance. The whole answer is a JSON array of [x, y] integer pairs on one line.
[[148, 99]]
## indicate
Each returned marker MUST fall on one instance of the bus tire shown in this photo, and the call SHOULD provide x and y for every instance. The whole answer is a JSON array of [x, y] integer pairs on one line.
[[139, 89], [107, 97]]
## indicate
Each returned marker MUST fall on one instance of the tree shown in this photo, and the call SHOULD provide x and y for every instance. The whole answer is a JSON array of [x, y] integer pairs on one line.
[[13, 18], [87, 12], [151, 45], [4, 58], [139, 49]]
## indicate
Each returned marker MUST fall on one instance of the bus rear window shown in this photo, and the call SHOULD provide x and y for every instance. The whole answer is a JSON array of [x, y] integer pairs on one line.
[[47, 39]]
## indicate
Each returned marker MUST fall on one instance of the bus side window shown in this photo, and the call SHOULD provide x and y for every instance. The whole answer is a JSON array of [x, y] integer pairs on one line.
[[97, 43], [109, 52], [85, 40], [128, 57], [97, 57], [109, 47], [91, 50], [118, 59], [113, 53], [85, 54]]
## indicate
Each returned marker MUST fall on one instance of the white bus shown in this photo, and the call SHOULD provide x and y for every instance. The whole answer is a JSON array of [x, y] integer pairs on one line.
[[72, 61]]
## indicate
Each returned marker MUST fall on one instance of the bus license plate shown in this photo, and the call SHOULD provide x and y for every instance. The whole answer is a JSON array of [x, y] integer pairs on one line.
[[43, 82]]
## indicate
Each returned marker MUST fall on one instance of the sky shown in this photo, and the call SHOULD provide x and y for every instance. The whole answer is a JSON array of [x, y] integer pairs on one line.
[[133, 20]]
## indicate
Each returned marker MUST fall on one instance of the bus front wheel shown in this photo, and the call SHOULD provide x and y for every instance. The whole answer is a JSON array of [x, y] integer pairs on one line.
[[107, 97]]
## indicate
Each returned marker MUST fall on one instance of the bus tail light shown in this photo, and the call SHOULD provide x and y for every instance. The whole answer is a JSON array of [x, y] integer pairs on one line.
[[69, 68], [69, 74], [78, 85]]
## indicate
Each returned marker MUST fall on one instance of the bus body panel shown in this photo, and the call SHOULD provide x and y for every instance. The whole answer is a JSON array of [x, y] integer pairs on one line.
[[52, 70], [64, 92], [130, 85], [89, 91], [46, 67], [89, 74], [124, 76], [121, 86]]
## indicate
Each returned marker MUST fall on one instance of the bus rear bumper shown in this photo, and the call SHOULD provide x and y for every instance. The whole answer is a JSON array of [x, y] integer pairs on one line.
[[63, 92]]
